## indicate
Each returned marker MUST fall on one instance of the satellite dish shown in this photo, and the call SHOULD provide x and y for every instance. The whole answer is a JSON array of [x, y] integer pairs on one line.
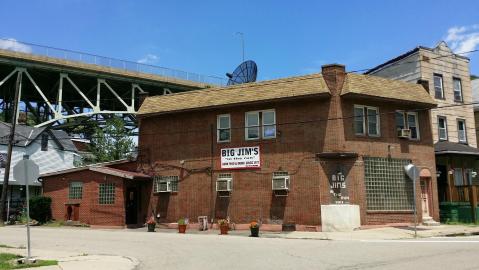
[[246, 72]]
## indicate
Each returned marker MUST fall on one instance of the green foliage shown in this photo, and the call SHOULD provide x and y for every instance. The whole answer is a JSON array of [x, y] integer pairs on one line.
[[8, 261], [111, 142], [40, 209]]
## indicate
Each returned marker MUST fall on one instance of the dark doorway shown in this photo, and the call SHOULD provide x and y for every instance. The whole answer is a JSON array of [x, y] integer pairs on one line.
[[441, 183], [131, 205]]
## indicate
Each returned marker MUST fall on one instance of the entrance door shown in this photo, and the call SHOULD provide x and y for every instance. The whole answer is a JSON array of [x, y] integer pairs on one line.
[[425, 197], [131, 205]]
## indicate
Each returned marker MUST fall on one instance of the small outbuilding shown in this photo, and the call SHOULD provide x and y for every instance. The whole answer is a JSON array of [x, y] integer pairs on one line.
[[106, 194]]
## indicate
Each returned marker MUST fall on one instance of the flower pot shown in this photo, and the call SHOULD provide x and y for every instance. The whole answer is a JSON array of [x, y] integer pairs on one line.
[[254, 231], [224, 229], [182, 228], [151, 227]]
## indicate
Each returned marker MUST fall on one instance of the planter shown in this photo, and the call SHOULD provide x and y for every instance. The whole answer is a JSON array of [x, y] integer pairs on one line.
[[224, 229], [151, 227], [182, 228], [254, 232]]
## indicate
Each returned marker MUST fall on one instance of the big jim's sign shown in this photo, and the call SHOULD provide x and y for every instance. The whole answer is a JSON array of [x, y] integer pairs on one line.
[[240, 158]]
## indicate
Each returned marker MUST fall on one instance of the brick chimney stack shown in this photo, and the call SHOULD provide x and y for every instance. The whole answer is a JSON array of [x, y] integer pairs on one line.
[[334, 75]]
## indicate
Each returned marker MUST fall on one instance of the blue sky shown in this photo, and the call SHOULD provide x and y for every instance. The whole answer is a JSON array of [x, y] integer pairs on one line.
[[285, 38]]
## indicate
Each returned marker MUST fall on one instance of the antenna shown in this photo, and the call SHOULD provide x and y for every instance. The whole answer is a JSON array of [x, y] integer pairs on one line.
[[246, 72], [242, 41]]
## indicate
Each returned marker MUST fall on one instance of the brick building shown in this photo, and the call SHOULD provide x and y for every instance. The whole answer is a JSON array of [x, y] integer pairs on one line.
[[104, 194], [278, 151]]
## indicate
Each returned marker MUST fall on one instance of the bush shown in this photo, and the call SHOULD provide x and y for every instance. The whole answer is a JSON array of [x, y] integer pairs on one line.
[[40, 209]]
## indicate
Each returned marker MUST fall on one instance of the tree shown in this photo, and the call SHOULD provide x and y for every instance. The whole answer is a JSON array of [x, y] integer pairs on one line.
[[111, 141]]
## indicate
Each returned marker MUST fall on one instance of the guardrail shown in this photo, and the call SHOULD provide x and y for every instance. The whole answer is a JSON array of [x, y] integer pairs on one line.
[[34, 49]]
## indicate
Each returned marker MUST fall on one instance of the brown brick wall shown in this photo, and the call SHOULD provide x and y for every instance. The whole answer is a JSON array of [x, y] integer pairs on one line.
[[186, 137], [90, 211]]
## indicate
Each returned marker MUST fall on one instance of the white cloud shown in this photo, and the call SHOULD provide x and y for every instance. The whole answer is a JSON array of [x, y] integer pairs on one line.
[[12, 44], [463, 38], [149, 59]]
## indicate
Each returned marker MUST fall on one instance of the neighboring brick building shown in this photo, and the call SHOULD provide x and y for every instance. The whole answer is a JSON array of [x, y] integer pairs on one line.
[[448, 77], [305, 142], [104, 194]]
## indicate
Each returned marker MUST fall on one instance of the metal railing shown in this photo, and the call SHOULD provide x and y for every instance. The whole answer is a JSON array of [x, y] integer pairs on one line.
[[34, 49]]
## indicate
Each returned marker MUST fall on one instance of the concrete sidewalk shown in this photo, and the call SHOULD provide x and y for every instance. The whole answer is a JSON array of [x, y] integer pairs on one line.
[[381, 233], [76, 261]]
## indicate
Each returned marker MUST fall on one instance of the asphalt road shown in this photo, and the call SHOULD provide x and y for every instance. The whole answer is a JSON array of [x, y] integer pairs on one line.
[[197, 251]]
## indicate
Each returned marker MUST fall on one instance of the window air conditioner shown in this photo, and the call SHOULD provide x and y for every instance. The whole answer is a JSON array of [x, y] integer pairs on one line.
[[164, 187], [281, 183], [404, 133], [223, 185]]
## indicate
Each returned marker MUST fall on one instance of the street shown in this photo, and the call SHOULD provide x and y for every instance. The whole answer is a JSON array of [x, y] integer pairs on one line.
[[201, 251]]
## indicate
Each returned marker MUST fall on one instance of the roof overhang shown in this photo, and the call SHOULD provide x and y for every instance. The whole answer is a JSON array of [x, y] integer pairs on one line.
[[337, 155], [416, 104]]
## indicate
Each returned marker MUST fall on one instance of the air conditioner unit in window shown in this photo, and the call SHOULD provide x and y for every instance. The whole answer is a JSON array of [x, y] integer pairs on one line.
[[404, 133], [164, 187], [223, 185], [281, 183]]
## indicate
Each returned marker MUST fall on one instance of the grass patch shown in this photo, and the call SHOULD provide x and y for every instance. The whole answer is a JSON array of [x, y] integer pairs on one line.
[[9, 261]]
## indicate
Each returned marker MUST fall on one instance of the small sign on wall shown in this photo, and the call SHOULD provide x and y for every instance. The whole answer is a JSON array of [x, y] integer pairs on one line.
[[338, 187], [241, 158]]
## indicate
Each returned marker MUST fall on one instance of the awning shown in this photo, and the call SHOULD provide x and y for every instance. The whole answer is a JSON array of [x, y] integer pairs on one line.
[[448, 148], [337, 155]]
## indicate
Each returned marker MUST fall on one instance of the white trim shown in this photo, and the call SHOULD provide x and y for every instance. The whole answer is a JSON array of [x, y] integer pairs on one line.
[[363, 120], [458, 120], [247, 126], [269, 125], [366, 121], [219, 128], [439, 117]]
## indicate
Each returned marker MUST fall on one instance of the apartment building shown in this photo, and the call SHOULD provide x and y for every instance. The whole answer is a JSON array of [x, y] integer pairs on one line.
[[446, 75]]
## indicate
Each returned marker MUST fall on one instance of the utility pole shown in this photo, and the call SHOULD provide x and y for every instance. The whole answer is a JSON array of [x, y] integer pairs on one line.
[[11, 138], [242, 41]]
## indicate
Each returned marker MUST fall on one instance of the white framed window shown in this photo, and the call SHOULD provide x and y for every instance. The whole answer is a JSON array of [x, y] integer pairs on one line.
[[461, 131], [260, 124], [442, 128], [408, 120], [269, 124], [458, 177], [457, 85], [223, 123], [366, 121], [438, 86], [165, 184]]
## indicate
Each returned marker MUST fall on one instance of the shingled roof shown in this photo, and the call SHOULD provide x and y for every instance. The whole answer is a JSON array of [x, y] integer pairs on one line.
[[379, 87], [293, 87]]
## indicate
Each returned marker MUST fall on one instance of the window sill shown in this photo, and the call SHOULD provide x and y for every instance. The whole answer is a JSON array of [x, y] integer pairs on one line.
[[390, 211]]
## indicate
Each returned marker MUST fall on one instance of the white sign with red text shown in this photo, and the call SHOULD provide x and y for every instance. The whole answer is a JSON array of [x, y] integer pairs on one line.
[[240, 158]]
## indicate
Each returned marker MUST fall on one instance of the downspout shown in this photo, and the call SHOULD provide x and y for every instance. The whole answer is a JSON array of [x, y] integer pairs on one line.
[[212, 202]]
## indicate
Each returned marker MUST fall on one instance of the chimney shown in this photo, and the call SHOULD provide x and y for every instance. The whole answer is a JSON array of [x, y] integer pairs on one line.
[[424, 83], [141, 98], [334, 75]]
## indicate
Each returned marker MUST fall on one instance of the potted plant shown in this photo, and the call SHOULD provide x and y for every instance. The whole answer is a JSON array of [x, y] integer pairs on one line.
[[254, 228], [151, 223], [224, 226], [182, 225]]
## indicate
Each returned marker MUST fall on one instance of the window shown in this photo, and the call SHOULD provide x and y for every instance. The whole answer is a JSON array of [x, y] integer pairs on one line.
[[408, 120], [3, 160], [165, 184], [442, 128], [438, 86], [457, 89], [267, 126], [387, 186], [224, 128], [107, 193], [366, 117], [44, 142], [458, 177], [468, 177], [461, 130], [75, 190]]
